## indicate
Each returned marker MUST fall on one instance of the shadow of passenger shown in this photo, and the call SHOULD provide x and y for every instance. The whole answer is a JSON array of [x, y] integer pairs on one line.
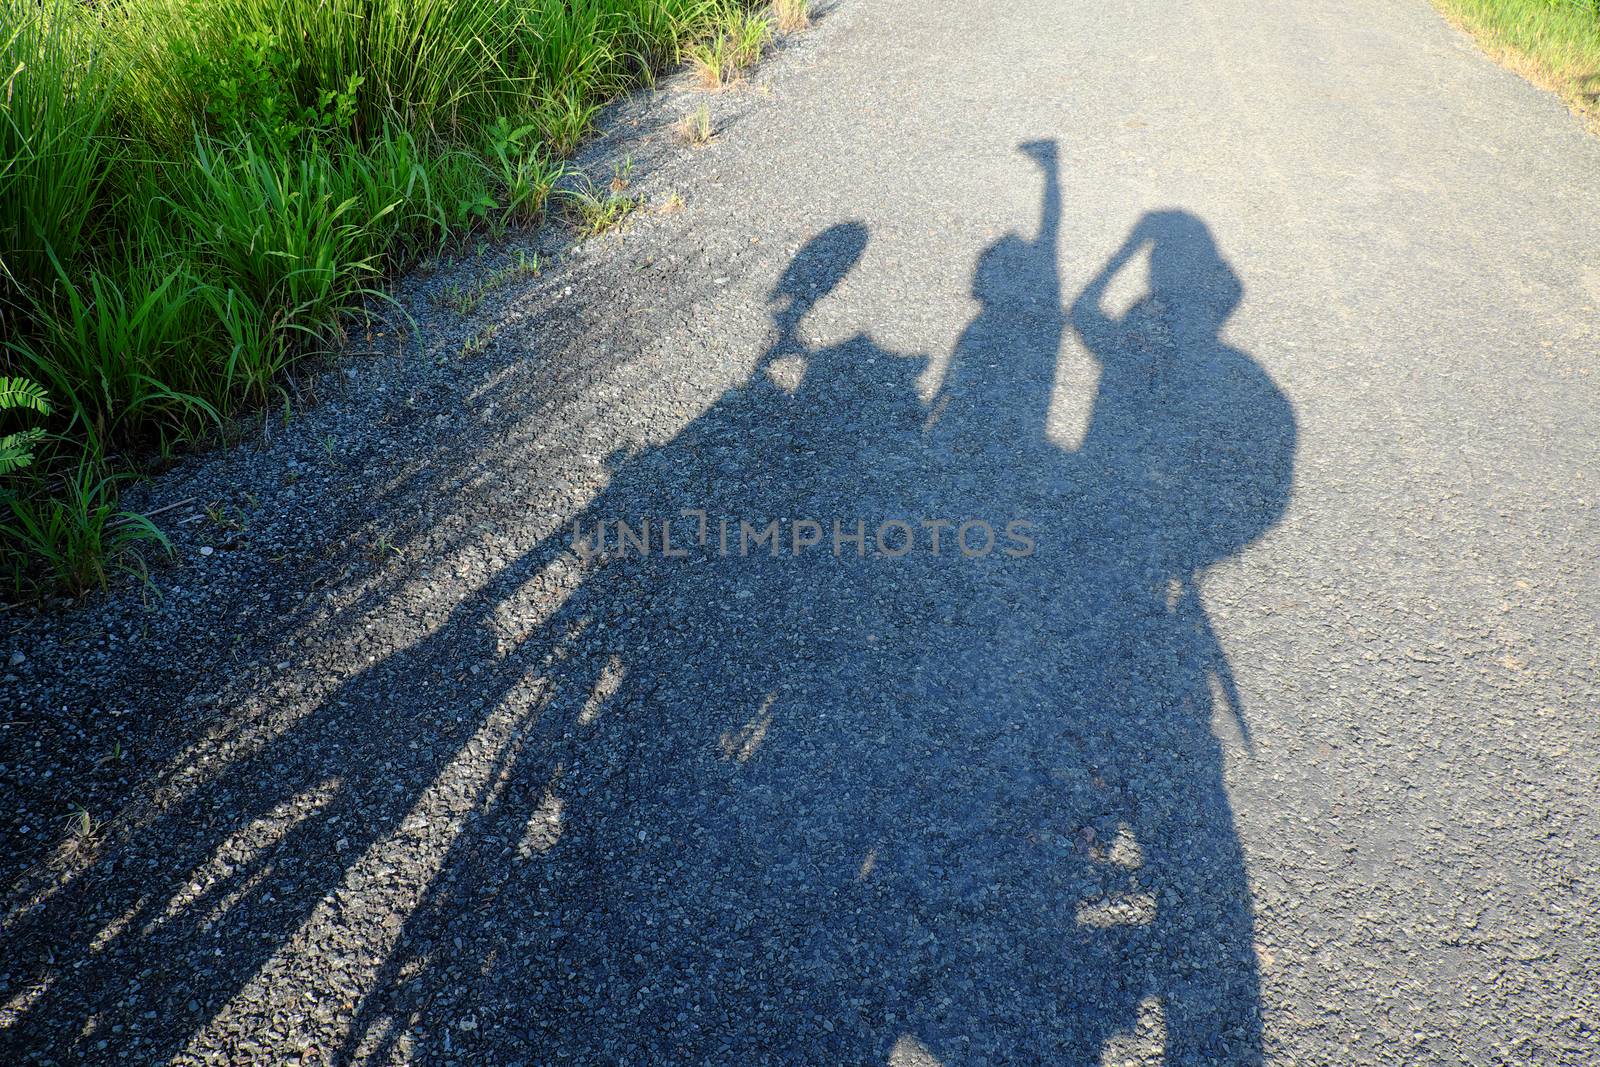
[[748, 770]]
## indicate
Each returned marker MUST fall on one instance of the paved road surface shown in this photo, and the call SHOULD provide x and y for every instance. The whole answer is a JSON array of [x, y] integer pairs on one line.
[[1248, 711]]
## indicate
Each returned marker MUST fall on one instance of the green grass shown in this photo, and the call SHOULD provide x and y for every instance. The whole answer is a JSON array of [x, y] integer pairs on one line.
[[695, 129], [736, 43], [197, 194], [595, 211], [1552, 43]]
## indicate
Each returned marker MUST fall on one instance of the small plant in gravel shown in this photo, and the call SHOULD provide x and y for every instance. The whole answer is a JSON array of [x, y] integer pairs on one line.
[[82, 838], [225, 518], [382, 549], [596, 211], [791, 16], [462, 299], [479, 342], [622, 175], [721, 60], [694, 129]]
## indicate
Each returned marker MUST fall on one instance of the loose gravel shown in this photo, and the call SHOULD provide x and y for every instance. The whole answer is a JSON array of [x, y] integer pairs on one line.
[[1261, 339]]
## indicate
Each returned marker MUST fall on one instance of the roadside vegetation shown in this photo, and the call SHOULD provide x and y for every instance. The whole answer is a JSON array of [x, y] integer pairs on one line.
[[196, 195], [1553, 43]]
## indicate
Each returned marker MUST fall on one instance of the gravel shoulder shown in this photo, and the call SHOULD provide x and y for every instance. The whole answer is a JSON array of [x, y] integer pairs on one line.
[[1279, 747]]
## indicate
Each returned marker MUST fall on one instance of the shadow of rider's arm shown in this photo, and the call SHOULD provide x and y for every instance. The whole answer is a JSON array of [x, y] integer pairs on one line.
[[1088, 316]]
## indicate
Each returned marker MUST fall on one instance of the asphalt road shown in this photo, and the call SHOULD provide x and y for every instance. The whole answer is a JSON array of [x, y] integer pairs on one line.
[[1242, 359]]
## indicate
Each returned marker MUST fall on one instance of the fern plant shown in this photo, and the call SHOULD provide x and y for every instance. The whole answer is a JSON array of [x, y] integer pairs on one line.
[[16, 449]]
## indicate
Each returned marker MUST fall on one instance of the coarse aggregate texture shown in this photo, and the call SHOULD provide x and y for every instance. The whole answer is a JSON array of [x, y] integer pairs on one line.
[[1269, 732]]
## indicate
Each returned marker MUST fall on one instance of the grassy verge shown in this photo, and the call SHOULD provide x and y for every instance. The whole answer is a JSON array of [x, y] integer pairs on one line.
[[1553, 43], [196, 194]]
